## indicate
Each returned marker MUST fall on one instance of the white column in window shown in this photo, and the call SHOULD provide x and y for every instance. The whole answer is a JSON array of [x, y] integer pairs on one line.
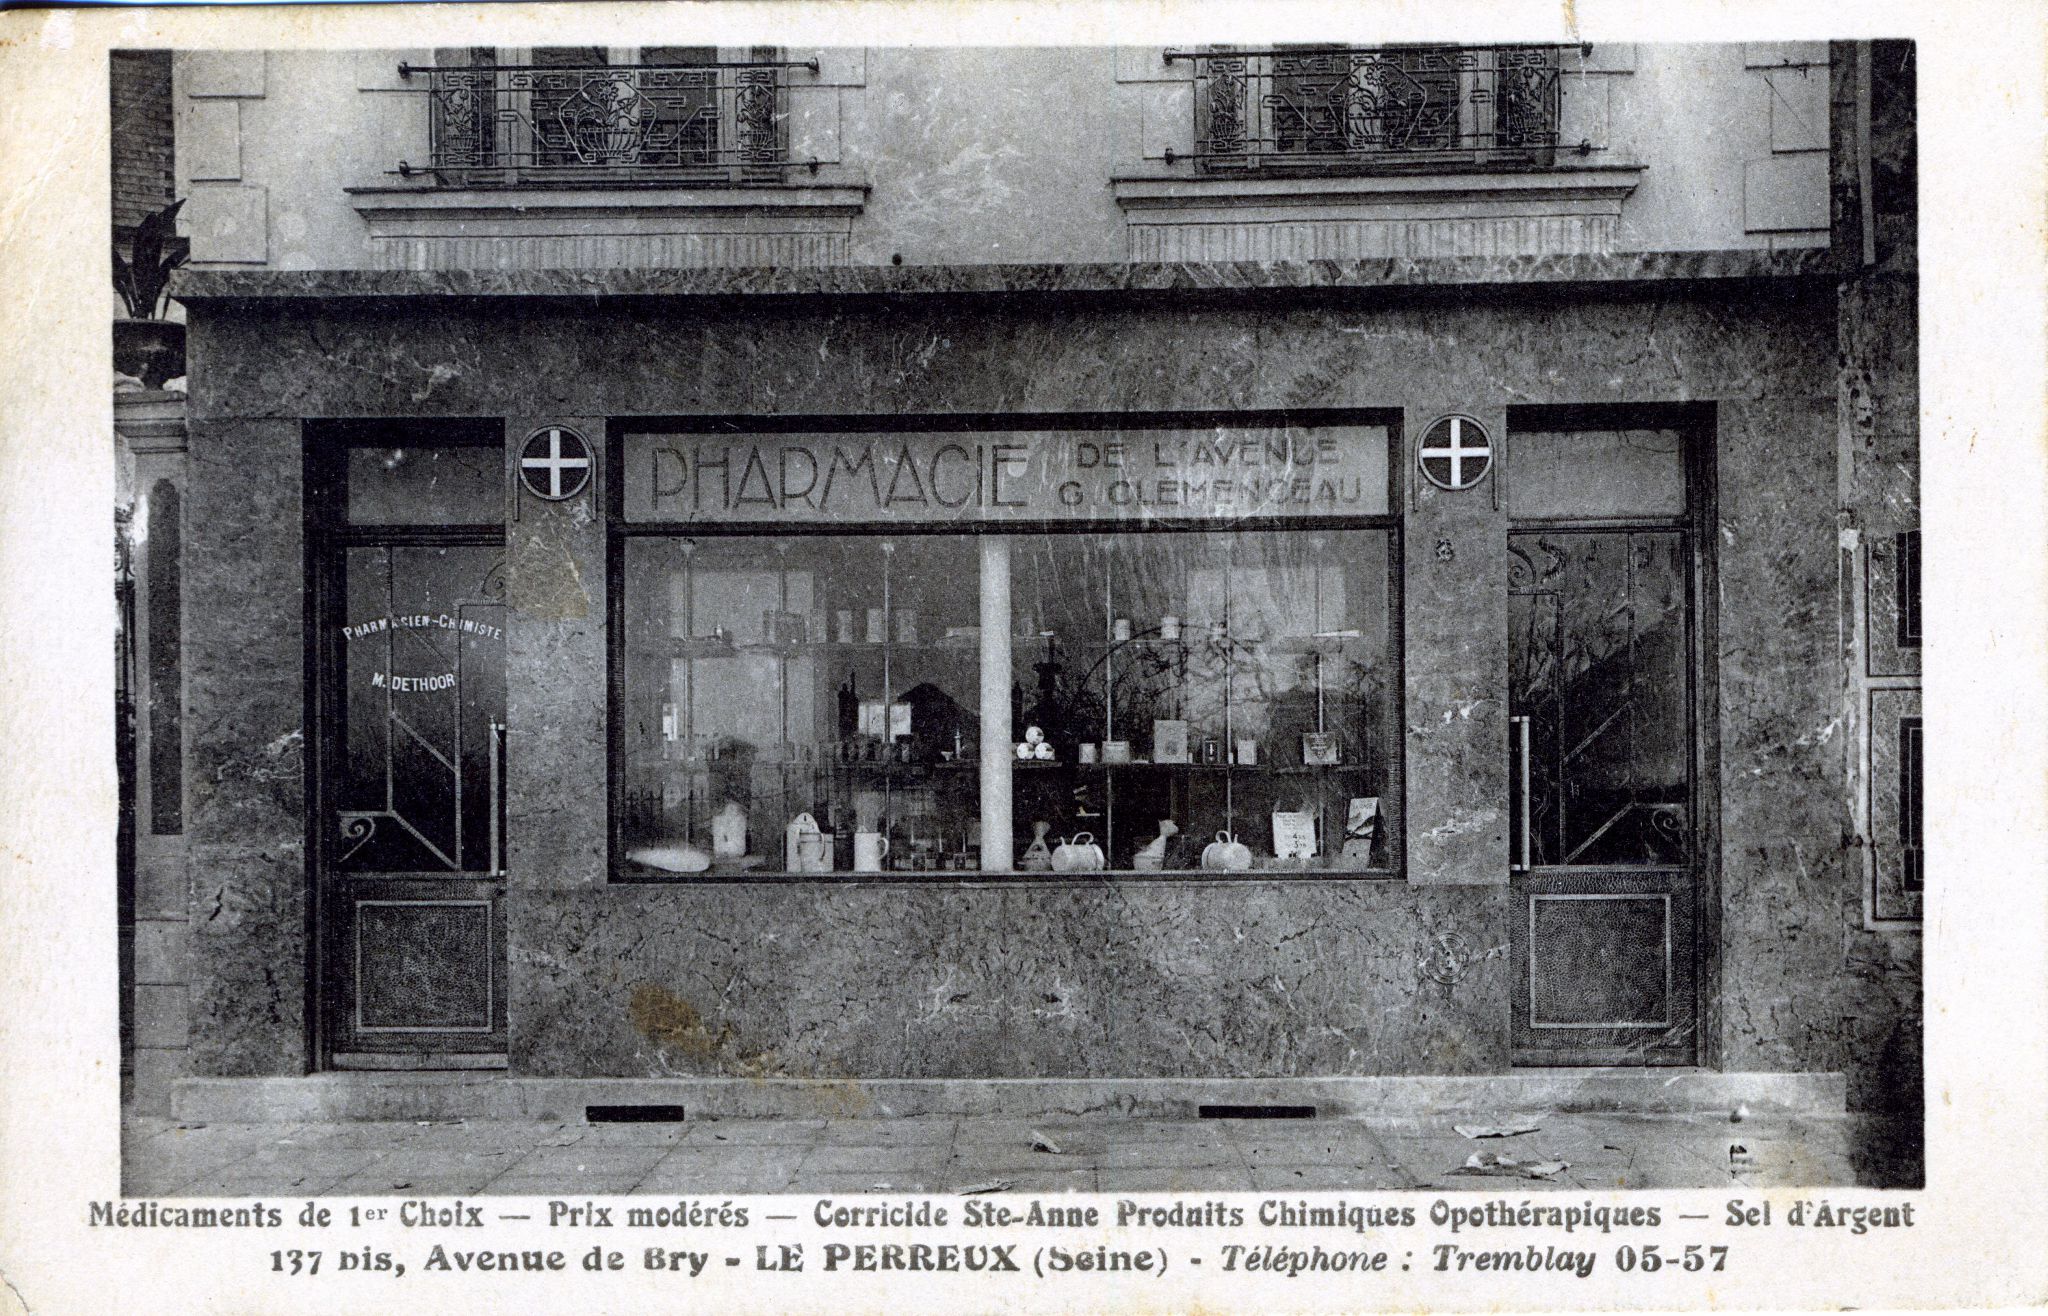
[[996, 847]]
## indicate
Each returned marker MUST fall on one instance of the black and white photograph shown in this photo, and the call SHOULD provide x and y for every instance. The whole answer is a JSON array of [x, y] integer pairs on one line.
[[1074, 618], [1267, 656]]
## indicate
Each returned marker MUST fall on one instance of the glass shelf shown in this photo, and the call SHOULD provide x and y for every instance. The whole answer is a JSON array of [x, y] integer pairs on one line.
[[708, 648]]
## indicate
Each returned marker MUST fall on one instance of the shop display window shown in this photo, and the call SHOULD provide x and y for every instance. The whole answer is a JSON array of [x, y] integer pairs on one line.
[[1238, 686], [823, 685], [1178, 697]]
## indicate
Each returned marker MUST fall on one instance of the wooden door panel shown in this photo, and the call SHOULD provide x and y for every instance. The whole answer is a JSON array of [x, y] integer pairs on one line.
[[420, 968], [1604, 968]]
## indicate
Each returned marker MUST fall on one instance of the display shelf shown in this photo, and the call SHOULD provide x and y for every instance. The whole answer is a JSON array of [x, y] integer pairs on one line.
[[708, 648], [900, 766], [628, 871], [1248, 643], [1240, 769], [1102, 642]]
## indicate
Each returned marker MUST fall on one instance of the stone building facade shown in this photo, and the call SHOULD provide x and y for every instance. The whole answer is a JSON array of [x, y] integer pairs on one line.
[[1551, 648]]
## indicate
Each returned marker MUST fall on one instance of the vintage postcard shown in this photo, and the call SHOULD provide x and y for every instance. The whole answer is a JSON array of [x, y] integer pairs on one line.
[[858, 658]]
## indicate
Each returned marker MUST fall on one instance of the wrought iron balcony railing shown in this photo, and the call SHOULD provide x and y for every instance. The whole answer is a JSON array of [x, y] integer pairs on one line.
[[497, 125], [1327, 110]]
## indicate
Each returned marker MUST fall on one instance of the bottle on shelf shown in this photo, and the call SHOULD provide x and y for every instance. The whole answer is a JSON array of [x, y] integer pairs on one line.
[[849, 708]]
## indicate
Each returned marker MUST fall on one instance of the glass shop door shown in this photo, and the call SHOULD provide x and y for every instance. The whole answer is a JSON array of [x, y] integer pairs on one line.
[[410, 722], [1604, 822]]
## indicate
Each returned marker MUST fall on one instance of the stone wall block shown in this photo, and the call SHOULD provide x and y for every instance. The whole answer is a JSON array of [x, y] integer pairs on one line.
[[1454, 564], [1783, 737], [1785, 193], [248, 941], [228, 225], [1166, 119], [814, 124], [245, 708], [1799, 109], [223, 73], [1010, 982], [555, 675], [212, 141]]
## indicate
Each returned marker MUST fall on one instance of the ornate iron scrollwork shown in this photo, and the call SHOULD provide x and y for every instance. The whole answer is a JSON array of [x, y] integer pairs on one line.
[[607, 119], [357, 829], [503, 124], [756, 140], [1340, 108], [1227, 128]]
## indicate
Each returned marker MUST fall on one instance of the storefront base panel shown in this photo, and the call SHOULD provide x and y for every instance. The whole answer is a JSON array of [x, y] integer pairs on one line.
[[339, 1097], [1166, 979]]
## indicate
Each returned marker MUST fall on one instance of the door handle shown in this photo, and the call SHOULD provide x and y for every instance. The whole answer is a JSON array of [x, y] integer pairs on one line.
[[1523, 850]]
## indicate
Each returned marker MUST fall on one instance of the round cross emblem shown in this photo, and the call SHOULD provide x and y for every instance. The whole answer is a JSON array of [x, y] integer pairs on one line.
[[555, 463], [1456, 453]]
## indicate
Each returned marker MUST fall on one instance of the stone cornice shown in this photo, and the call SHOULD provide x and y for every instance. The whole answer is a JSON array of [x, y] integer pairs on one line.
[[1602, 183], [151, 420], [835, 194], [223, 284]]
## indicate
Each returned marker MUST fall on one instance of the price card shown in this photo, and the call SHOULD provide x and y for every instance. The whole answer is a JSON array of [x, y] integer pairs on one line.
[[1294, 833]]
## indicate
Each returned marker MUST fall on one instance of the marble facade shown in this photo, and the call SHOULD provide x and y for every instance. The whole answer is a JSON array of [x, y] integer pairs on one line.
[[1088, 979]]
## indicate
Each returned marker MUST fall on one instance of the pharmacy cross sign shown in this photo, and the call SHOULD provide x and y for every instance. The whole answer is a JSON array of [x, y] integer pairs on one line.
[[1456, 453], [555, 463]]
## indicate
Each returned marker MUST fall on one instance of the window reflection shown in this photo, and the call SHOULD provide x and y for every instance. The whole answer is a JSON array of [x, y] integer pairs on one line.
[[824, 682], [1597, 668], [421, 786], [1213, 681], [811, 703]]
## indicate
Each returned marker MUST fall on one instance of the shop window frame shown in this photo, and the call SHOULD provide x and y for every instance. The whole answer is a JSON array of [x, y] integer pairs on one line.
[[619, 531]]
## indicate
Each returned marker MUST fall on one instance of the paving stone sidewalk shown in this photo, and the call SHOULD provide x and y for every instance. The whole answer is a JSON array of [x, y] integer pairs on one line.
[[162, 1158]]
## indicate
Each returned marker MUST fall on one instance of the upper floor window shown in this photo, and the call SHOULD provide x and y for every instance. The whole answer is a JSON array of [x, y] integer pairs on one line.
[[596, 114], [1347, 110]]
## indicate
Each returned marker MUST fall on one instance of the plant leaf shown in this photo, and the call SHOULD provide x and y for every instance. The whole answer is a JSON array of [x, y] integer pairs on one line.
[[149, 269], [124, 279]]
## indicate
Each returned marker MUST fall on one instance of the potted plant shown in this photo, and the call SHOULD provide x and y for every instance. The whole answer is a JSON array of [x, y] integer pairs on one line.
[[145, 345]]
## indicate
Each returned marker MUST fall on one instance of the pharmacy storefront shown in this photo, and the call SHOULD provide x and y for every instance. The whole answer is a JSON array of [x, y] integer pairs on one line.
[[1006, 651], [757, 695]]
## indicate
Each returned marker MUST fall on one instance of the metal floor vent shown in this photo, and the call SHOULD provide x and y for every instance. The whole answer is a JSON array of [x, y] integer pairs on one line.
[[632, 1114], [1257, 1112]]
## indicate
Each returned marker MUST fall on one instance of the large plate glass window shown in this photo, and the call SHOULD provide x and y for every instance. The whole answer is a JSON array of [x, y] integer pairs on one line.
[[1168, 624]]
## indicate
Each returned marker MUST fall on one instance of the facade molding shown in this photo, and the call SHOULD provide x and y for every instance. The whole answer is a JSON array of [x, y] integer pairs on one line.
[[1607, 183], [1540, 212], [455, 1095], [207, 285], [800, 224], [151, 421]]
